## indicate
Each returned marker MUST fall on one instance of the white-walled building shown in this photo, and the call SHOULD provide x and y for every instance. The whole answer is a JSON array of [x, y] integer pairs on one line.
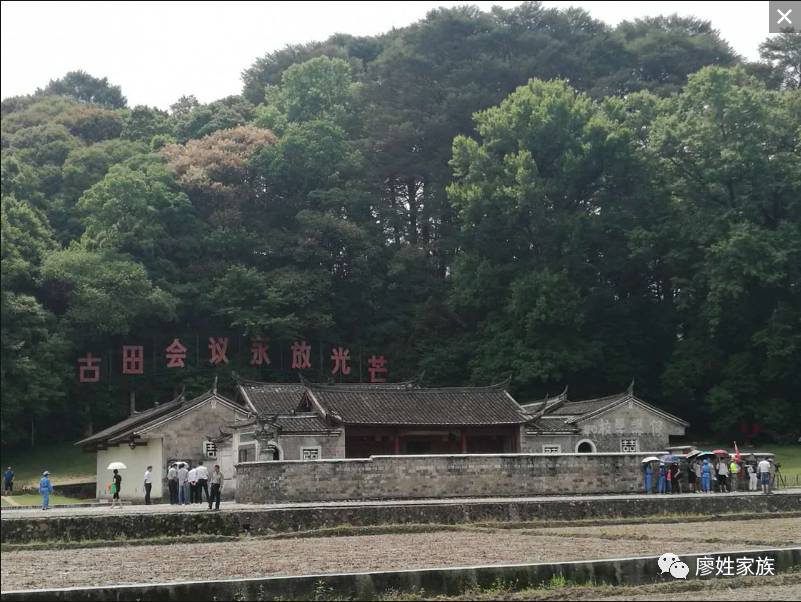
[[180, 430]]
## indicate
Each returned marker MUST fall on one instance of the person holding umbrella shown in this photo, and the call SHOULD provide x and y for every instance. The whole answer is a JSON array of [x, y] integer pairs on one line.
[[649, 473], [115, 489], [116, 483], [45, 488], [660, 484]]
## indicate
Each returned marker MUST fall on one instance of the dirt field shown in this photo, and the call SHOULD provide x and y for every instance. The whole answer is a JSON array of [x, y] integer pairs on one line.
[[468, 546]]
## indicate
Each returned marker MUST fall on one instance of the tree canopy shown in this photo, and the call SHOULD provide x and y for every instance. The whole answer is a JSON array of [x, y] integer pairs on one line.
[[524, 193]]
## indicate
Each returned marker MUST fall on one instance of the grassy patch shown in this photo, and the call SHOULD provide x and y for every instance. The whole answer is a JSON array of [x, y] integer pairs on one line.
[[789, 456], [559, 588], [66, 463], [36, 500]]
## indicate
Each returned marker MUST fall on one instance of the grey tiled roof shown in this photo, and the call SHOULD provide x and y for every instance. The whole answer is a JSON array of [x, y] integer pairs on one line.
[[551, 425], [132, 422], [302, 423], [577, 408], [409, 405], [272, 398], [133, 425]]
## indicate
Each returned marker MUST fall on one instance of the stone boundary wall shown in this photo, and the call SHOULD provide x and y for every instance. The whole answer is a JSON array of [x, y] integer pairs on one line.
[[267, 521], [369, 586], [438, 476]]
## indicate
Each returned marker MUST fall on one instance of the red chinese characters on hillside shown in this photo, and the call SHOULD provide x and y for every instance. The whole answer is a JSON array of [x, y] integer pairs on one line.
[[89, 369], [175, 356], [218, 346], [377, 366], [258, 352], [133, 359], [340, 357], [300, 355]]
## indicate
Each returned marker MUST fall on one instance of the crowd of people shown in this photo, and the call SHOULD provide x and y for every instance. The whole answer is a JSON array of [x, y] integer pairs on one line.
[[185, 485], [710, 474], [705, 474], [188, 485]]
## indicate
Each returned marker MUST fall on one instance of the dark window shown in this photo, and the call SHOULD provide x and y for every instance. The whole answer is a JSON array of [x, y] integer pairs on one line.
[[418, 447], [585, 448], [247, 454]]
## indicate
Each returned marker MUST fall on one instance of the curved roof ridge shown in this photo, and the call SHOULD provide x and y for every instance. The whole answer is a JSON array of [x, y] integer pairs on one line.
[[402, 386], [260, 383], [408, 385], [613, 396]]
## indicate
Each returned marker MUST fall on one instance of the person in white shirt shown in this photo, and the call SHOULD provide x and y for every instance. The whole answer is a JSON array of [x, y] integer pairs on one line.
[[183, 484], [202, 483], [217, 481], [763, 468], [172, 483], [192, 478], [752, 477], [148, 484], [723, 475]]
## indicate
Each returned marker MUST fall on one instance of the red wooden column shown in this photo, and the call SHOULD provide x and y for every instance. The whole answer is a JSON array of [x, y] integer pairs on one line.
[[464, 441]]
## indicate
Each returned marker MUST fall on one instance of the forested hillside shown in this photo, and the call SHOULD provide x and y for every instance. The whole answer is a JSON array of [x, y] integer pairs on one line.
[[522, 193]]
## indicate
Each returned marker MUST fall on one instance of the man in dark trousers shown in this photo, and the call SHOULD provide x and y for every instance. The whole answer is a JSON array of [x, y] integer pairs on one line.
[[202, 482], [172, 483], [148, 484], [217, 480]]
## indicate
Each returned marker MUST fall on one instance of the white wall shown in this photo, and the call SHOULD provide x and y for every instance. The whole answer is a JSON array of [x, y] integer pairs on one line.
[[137, 460]]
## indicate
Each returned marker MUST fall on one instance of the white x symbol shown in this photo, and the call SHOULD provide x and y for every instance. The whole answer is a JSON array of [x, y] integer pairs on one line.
[[784, 16]]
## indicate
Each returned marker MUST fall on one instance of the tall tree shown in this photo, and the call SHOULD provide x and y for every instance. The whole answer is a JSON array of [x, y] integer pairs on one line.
[[783, 53], [86, 88]]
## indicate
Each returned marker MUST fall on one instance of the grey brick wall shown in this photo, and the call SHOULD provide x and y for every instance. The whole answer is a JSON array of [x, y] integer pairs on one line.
[[408, 477]]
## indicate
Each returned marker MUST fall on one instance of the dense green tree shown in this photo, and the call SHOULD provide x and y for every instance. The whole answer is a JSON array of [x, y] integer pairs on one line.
[[660, 52], [730, 150], [33, 355], [102, 292], [86, 88], [783, 53], [143, 123], [203, 120], [418, 194]]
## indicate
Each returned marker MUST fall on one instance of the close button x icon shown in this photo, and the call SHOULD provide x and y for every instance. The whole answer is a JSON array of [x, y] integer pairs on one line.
[[784, 16]]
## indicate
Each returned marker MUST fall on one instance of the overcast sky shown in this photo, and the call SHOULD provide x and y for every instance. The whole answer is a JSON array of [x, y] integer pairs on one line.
[[158, 51]]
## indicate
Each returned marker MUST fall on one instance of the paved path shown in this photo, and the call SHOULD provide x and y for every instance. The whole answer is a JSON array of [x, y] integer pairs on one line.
[[8, 513]]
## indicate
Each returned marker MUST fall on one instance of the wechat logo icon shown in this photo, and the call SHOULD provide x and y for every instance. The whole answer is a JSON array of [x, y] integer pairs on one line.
[[670, 563]]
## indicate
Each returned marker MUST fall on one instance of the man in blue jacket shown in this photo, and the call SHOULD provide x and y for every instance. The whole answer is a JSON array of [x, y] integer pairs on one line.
[[45, 488]]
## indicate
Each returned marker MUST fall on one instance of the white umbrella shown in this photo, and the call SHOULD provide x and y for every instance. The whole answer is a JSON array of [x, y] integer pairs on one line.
[[116, 466], [650, 459]]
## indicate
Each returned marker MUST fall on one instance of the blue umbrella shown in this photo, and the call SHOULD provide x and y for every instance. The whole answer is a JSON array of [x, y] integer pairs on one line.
[[669, 459]]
